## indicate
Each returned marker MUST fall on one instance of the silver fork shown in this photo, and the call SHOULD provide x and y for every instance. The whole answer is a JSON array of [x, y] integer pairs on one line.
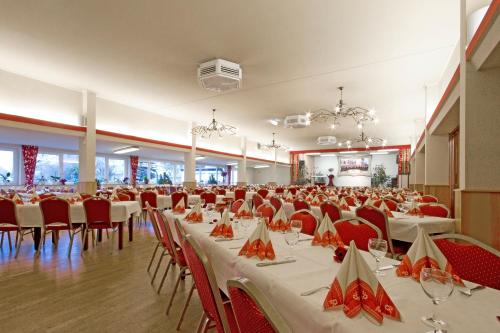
[[314, 291], [468, 292]]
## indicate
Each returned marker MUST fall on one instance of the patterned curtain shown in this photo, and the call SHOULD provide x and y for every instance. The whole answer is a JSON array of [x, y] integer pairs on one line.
[[404, 161], [30, 154], [294, 170], [134, 163]]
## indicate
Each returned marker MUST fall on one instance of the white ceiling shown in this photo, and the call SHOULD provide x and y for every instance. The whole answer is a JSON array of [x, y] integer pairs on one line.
[[294, 54]]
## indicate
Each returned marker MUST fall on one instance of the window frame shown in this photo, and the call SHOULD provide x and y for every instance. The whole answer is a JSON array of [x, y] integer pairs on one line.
[[173, 163], [16, 167]]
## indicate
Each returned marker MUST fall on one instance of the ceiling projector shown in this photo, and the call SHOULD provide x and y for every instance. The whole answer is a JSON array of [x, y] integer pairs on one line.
[[326, 140], [219, 75], [296, 121]]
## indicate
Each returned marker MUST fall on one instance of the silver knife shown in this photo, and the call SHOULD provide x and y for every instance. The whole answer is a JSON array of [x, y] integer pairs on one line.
[[226, 239], [305, 239], [271, 263]]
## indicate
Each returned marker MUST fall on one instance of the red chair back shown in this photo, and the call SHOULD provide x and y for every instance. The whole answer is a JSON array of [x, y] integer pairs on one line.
[[85, 196], [330, 208], [358, 230], [252, 310], [123, 197], [221, 191], [209, 197], [276, 202], [309, 221], [350, 201], [378, 218], [267, 211], [429, 198], [279, 190], [198, 191], [391, 204], [362, 198], [240, 194], [97, 213], [206, 284], [292, 190], [130, 194], [8, 215], [46, 195], [433, 209], [473, 262], [149, 197], [55, 213], [236, 205], [263, 192], [257, 200], [177, 196], [299, 204]]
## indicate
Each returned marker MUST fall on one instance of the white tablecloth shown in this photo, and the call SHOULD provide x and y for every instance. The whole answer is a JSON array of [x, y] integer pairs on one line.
[[401, 226], [248, 195], [193, 199], [29, 215], [282, 284]]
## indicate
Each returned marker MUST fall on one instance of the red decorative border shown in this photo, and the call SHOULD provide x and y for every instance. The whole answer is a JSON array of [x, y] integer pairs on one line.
[[483, 26], [39, 122]]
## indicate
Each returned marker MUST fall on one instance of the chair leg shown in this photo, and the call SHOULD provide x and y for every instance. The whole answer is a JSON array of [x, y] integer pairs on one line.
[[71, 236], [203, 323], [10, 242], [164, 275], [40, 245], [18, 242], [185, 307], [84, 240], [154, 255], [157, 267], [1, 239], [113, 239], [181, 274]]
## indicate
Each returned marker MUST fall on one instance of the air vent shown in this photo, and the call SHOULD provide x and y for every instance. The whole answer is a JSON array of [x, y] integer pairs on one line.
[[326, 140], [296, 121], [220, 75]]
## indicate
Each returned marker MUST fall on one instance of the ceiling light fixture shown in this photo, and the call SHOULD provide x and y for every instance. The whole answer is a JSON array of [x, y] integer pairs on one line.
[[359, 114], [214, 128], [199, 158], [327, 155], [261, 166], [126, 150], [367, 141], [348, 152], [273, 145], [232, 163]]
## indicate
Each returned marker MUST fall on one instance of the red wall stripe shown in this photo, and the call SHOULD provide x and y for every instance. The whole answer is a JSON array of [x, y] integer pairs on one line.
[[39, 122]]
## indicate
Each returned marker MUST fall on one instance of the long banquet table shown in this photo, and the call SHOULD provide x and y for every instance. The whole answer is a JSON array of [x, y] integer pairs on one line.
[[193, 199], [30, 216], [282, 284], [402, 227]]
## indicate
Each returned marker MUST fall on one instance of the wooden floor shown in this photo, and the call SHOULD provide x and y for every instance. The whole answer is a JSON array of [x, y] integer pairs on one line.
[[101, 292]]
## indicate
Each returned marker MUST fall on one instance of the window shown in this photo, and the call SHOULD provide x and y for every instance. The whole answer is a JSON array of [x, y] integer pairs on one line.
[[159, 172], [71, 168], [178, 174], [47, 168], [142, 171], [6, 166], [208, 174], [100, 168], [116, 170]]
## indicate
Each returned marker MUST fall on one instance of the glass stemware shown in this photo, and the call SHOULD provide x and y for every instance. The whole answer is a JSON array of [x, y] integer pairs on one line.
[[438, 286], [291, 238], [296, 226], [245, 224], [378, 249]]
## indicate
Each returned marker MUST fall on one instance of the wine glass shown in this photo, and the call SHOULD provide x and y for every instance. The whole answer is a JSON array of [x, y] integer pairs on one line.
[[378, 249], [291, 238], [202, 202], [296, 226], [438, 286], [245, 224]]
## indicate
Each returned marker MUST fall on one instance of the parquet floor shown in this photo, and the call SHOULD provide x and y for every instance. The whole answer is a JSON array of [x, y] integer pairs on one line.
[[101, 292]]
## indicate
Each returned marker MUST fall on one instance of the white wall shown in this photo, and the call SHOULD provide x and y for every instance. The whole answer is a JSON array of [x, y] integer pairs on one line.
[[324, 163], [263, 175]]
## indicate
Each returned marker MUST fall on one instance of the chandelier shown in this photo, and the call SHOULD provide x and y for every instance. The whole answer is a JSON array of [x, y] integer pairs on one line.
[[359, 114], [214, 128], [364, 139], [273, 145]]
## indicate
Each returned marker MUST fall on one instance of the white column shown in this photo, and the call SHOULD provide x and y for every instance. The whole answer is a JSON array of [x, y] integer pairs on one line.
[[87, 144], [242, 164], [190, 162]]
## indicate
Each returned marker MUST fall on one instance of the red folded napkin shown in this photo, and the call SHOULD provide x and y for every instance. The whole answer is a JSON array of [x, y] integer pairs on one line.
[[343, 205], [17, 199], [223, 227], [244, 211], [414, 210], [180, 208], [356, 289], [424, 253], [326, 234], [258, 244], [279, 221], [195, 215], [383, 207]]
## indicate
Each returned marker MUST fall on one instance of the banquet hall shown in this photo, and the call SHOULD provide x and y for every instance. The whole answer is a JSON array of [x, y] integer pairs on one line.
[[249, 166]]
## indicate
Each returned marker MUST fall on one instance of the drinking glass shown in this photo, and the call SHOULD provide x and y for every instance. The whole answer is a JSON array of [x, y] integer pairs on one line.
[[438, 286], [202, 202], [378, 249], [296, 226], [245, 224], [291, 238]]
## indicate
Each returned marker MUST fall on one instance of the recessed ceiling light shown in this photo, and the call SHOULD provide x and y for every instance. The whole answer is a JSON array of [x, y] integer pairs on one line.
[[126, 150], [312, 154], [379, 153], [327, 155], [199, 158], [261, 166], [232, 163], [348, 152], [274, 122]]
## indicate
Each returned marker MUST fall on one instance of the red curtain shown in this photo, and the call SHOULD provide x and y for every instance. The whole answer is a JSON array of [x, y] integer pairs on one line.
[[30, 154], [294, 170], [134, 163]]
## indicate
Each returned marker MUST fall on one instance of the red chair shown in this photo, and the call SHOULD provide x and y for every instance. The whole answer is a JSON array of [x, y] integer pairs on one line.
[[362, 198], [267, 211], [252, 310], [57, 217], [300, 204], [130, 194], [257, 200], [334, 212], [434, 209], [276, 202], [240, 194], [198, 191], [123, 197], [429, 198], [292, 190], [177, 196], [378, 218], [215, 312], [98, 216], [391, 204], [148, 197], [263, 192], [236, 205], [9, 222], [209, 197], [85, 196], [46, 195], [357, 229], [221, 191], [351, 201], [309, 221], [279, 190], [472, 260]]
